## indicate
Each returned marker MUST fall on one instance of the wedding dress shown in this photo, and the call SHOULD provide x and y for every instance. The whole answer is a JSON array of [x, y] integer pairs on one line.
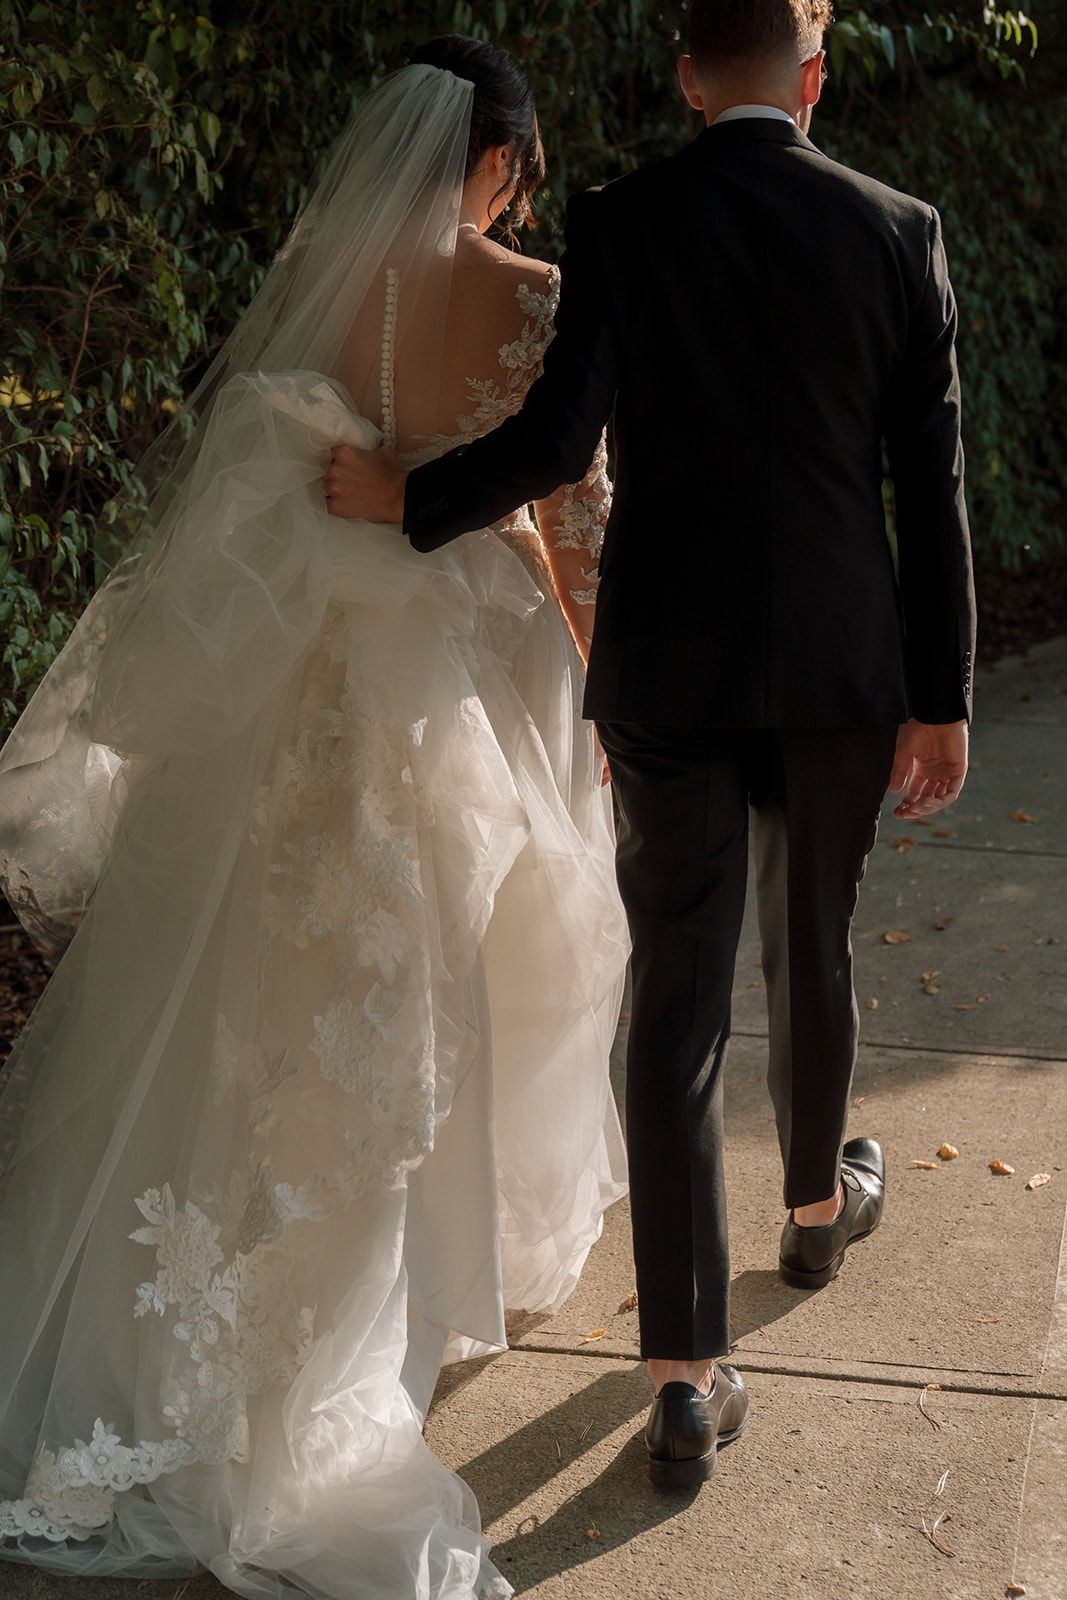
[[319, 1086]]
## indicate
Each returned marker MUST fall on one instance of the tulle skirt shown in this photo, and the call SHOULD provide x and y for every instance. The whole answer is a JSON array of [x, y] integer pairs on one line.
[[320, 1085]]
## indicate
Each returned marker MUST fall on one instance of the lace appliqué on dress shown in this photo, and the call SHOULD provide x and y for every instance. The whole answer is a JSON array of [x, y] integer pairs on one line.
[[342, 818], [581, 518], [337, 827], [492, 403]]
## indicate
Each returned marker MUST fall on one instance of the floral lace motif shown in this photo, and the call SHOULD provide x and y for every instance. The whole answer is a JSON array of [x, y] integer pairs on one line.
[[492, 403], [337, 828], [522, 361], [71, 1494]]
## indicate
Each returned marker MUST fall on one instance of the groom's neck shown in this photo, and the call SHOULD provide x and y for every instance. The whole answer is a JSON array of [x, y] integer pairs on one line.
[[720, 94], [756, 83]]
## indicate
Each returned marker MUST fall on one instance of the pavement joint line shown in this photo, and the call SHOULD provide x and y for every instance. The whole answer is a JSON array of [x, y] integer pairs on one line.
[[994, 850], [992, 1389], [1021, 722], [928, 1049]]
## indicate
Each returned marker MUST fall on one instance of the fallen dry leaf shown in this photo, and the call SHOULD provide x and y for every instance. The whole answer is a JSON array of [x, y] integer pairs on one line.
[[927, 1166], [928, 977], [1023, 816], [592, 1533], [597, 1333], [1039, 1179], [930, 987], [965, 1008], [872, 1005], [1001, 1168], [923, 1392], [902, 846], [942, 923], [948, 1152], [946, 1516], [585, 1430], [943, 833], [630, 1303], [895, 937], [1014, 1588]]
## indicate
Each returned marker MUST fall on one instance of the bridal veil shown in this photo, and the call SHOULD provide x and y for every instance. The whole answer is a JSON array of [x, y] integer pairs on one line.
[[318, 1086]]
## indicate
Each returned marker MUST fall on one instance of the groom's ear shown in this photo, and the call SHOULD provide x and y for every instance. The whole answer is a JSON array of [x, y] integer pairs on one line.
[[687, 79]]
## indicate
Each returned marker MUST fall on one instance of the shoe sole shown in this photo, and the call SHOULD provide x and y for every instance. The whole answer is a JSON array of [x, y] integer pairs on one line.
[[696, 1470], [797, 1278]]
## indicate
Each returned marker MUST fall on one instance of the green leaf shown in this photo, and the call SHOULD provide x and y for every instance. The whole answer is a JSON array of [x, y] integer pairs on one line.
[[211, 128], [97, 91]]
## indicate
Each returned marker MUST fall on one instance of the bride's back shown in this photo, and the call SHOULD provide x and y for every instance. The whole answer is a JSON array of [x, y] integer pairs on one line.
[[450, 361]]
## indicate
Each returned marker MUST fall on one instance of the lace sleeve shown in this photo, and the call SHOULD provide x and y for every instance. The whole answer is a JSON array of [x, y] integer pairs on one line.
[[571, 523]]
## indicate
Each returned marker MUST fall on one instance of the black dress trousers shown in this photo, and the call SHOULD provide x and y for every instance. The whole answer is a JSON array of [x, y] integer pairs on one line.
[[684, 799]]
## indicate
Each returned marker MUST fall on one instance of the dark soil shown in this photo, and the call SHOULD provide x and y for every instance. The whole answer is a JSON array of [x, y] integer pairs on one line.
[[22, 977], [1020, 609], [1016, 610]]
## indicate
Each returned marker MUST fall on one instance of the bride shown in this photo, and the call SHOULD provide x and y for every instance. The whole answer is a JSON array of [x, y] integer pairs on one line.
[[319, 1085]]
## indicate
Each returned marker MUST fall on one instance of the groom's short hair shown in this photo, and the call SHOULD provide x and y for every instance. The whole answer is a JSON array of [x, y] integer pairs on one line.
[[723, 33]]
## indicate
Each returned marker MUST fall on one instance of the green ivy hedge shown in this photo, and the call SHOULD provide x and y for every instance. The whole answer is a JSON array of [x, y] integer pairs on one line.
[[152, 156]]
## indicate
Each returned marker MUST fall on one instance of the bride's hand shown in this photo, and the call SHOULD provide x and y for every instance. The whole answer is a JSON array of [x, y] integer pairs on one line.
[[365, 483]]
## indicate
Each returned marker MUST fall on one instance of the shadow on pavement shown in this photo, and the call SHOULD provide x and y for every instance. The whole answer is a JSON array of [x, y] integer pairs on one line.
[[605, 1513]]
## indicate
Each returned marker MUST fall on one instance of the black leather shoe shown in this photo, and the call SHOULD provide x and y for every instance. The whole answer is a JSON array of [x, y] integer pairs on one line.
[[686, 1428], [810, 1257]]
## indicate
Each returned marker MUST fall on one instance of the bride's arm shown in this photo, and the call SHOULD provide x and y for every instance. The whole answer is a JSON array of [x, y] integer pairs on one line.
[[571, 522]]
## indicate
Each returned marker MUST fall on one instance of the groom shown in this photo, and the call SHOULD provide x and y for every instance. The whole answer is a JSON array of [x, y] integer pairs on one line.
[[760, 322]]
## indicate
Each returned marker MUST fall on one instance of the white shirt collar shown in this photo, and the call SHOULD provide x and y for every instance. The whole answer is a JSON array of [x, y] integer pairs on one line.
[[734, 113]]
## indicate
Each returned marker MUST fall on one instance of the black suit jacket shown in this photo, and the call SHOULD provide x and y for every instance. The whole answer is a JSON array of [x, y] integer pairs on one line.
[[760, 319]]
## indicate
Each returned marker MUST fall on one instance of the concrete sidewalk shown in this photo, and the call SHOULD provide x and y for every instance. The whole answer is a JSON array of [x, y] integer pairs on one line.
[[964, 1027], [963, 1287]]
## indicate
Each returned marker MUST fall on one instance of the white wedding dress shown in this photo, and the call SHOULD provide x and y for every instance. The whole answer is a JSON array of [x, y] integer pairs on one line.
[[320, 1086]]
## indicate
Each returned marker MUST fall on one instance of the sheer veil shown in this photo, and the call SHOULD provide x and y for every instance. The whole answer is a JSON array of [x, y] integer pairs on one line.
[[319, 1084], [193, 629]]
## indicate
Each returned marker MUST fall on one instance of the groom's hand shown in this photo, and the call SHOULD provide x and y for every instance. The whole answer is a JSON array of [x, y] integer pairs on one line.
[[929, 767], [365, 483]]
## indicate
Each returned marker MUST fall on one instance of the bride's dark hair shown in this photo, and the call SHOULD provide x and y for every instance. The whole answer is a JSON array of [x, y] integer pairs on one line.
[[502, 112]]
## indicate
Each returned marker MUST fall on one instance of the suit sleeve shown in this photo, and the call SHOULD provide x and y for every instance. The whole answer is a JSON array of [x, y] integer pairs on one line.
[[553, 439], [926, 462]]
